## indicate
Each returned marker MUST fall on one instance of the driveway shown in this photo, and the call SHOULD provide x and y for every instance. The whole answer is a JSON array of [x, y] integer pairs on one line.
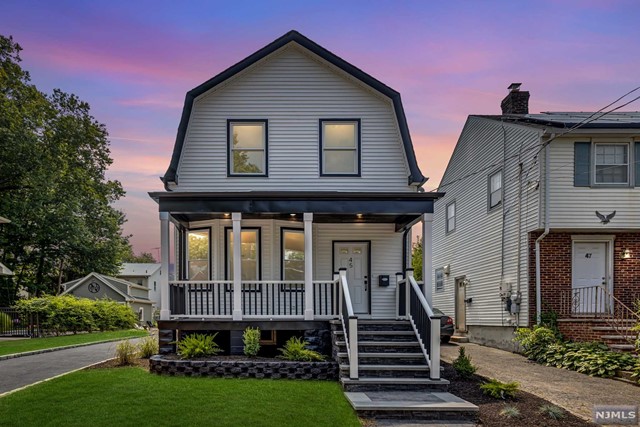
[[23, 371], [575, 392]]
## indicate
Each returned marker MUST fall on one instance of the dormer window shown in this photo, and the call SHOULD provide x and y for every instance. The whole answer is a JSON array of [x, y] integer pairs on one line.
[[340, 147], [247, 147]]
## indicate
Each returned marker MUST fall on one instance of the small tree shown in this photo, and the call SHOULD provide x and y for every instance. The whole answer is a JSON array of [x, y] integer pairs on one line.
[[416, 258]]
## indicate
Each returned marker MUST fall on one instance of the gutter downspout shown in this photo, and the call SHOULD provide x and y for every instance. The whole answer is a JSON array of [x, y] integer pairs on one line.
[[546, 231]]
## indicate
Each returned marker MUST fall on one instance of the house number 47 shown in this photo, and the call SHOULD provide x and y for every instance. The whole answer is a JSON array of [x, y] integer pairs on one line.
[[587, 255]]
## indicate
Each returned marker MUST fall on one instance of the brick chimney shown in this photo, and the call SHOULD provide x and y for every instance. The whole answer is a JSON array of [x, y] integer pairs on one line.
[[515, 102]]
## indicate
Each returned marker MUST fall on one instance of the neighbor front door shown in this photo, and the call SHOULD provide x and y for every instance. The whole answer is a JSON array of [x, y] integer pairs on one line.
[[589, 274], [354, 256], [461, 306]]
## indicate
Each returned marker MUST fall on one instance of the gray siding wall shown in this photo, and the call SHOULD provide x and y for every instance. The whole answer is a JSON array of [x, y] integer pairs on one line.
[[82, 291], [474, 249], [135, 292], [574, 207], [292, 89]]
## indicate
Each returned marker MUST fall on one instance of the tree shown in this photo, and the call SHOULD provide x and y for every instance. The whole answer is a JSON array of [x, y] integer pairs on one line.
[[142, 257], [53, 159], [416, 258]]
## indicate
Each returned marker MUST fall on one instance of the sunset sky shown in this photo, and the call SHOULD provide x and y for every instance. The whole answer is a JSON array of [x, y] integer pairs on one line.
[[133, 61]]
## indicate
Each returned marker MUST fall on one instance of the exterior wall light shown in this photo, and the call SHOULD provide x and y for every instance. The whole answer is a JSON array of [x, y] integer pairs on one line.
[[625, 254]]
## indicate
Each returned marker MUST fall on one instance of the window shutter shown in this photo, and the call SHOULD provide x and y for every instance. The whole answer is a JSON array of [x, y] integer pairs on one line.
[[636, 159], [582, 164]]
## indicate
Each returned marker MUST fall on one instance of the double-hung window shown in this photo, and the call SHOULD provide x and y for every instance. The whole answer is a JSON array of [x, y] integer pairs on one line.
[[495, 189], [451, 217], [340, 147], [293, 258], [247, 147], [612, 164]]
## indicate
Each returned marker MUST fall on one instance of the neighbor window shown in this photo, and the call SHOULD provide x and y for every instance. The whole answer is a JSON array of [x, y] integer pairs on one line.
[[339, 146], [451, 217], [247, 147], [439, 279], [249, 252], [198, 254], [612, 163], [495, 189]]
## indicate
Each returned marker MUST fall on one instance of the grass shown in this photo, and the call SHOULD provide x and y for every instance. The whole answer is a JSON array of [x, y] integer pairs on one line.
[[131, 396], [31, 344]]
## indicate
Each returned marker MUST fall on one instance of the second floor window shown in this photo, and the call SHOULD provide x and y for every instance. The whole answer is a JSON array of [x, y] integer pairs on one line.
[[340, 147], [247, 147], [495, 189], [612, 164], [451, 217]]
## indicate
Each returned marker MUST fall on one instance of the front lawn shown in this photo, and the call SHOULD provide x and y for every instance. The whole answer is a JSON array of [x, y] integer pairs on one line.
[[131, 396], [31, 344]]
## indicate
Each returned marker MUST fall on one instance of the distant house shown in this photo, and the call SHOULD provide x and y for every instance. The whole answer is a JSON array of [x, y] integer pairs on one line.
[[144, 274], [98, 286], [541, 218], [4, 270]]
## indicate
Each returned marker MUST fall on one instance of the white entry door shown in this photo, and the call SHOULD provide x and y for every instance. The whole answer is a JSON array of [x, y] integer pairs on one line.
[[354, 256], [589, 272]]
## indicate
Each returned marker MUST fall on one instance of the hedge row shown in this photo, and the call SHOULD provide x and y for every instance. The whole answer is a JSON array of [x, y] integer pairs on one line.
[[65, 313]]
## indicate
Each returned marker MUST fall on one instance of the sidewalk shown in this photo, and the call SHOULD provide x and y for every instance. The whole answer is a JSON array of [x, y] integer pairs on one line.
[[575, 392], [22, 371]]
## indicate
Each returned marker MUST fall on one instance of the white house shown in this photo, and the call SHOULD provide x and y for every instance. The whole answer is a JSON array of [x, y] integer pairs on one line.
[[291, 192], [546, 202], [144, 274]]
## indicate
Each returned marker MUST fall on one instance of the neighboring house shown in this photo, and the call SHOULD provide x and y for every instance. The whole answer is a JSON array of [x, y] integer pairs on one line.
[[144, 274], [522, 188], [4, 270], [98, 286], [293, 180]]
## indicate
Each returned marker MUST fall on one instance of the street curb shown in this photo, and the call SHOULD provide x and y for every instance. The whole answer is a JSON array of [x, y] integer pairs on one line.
[[66, 347], [6, 393]]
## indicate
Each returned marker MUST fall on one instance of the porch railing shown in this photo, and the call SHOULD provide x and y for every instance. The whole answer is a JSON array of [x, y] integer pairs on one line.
[[622, 318], [260, 298], [349, 323], [590, 301], [424, 321]]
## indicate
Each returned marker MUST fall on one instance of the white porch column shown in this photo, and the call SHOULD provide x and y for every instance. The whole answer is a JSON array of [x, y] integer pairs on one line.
[[236, 217], [427, 256], [308, 266], [165, 310]]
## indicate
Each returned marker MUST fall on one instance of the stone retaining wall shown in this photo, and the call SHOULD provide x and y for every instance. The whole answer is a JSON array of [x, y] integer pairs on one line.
[[244, 369]]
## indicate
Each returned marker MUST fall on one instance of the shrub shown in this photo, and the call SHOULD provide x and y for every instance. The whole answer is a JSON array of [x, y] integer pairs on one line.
[[552, 411], [198, 345], [5, 322], [126, 352], [296, 350], [500, 390], [463, 366], [510, 412], [148, 346], [251, 340], [109, 315], [535, 342], [636, 372]]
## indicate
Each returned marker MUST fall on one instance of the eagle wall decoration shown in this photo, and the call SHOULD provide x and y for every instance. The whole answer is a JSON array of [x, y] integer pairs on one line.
[[604, 219]]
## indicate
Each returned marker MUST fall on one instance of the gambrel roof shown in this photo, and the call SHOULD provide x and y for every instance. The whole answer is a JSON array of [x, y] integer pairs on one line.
[[415, 175]]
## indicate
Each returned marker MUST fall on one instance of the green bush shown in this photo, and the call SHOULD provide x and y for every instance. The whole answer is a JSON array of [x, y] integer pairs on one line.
[[296, 350], [463, 366], [148, 347], [552, 411], [126, 352], [636, 372], [198, 345], [500, 390], [251, 340], [5, 322], [109, 315], [510, 412], [535, 342]]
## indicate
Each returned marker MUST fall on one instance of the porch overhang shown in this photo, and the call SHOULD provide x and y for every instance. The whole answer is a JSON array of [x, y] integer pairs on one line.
[[402, 209]]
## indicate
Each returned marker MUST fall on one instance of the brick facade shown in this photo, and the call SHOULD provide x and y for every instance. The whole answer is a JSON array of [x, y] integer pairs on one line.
[[556, 277]]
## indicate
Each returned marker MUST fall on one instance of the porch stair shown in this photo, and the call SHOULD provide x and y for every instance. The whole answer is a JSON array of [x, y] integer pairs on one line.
[[394, 376], [617, 335]]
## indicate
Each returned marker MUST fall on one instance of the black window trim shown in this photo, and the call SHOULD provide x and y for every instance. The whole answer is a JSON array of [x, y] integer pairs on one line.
[[283, 287], [358, 148], [230, 173], [497, 205], [229, 288]]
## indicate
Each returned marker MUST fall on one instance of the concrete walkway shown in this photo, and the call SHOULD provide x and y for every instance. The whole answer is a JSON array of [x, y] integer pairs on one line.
[[575, 392], [23, 371]]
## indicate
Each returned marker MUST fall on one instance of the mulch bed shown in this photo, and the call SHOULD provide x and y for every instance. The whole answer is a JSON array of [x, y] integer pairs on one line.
[[113, 363], [490, 408]]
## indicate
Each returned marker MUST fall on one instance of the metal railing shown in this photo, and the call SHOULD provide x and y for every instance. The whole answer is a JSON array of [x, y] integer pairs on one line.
[[260, 298], [589, 301], [349, 323], [425, 323], [622, 318], [13, 323]]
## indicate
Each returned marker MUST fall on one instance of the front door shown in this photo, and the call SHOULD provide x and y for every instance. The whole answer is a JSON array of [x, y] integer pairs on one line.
[[354, 256], [461, 306], [589, 273]]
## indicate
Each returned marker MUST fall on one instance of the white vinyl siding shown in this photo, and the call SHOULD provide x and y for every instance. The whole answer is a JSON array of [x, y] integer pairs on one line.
[[293, 90], [574, 207], [474, 250]]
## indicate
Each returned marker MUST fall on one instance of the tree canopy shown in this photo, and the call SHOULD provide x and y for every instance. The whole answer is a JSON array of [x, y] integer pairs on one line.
[[53, 159], [416, 258]]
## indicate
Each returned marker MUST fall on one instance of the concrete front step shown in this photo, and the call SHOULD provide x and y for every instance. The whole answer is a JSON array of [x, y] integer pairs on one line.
[[411, 405], [390, 384], [618, 337], [459, 339], [622, 347]]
